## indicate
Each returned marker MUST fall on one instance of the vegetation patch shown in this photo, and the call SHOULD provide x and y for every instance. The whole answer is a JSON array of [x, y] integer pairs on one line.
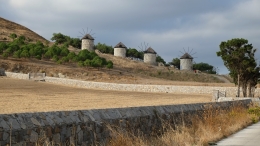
[[213, 125], [20, 48]]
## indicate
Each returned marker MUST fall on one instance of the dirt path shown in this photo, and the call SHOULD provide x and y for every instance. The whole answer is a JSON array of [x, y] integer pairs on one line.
[[19, 96]]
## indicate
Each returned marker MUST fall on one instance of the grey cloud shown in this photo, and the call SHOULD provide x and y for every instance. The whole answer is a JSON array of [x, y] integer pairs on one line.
[[168, 26]]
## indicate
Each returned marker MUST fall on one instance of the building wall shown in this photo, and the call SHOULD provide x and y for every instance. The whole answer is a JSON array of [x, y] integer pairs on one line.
[[186, 64], [87, 44], [88, 127], [120, 52], [150, 58]]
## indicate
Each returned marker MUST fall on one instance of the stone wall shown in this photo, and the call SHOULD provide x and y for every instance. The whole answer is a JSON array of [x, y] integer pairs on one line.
[[17, 75], [230, 91], [37, 76], [2, 72], [87, 127], [120, 52]]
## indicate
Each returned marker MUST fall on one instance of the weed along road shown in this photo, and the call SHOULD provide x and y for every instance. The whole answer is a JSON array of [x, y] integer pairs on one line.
[[249, 136]]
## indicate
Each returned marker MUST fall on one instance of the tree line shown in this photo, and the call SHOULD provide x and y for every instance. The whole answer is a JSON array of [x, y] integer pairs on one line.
[[59, 53]]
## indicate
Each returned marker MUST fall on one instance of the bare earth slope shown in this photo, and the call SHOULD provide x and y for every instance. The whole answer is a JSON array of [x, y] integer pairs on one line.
[[8, 27]]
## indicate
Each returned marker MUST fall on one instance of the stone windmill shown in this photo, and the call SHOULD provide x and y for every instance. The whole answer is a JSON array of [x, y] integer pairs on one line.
[[87, 41], [120, 50], [186, 61], [150, 56]]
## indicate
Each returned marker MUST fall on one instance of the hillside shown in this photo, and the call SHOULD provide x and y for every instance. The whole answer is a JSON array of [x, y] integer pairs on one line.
[[124, 71], [8, 27]]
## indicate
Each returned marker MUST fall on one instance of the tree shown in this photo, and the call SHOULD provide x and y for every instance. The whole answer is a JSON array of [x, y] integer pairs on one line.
[[175, 62], [59, 38], [205, 67], [63, 39], [255, 74], [237, 55], [160, 59], [105, 48]]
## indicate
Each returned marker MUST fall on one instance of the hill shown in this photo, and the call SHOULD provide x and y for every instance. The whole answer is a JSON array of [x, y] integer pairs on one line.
[[8, 27], [125, 70]]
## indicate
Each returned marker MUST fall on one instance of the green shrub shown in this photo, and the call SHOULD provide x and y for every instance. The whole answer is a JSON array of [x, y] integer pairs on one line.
[[17, 54], [39, 57], [80, 63], [65, 59], [109, 64], [55, 58], [5, 55], [88, 62], [25, 54]]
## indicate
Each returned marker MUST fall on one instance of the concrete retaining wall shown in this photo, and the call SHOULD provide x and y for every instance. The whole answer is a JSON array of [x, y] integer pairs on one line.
[[87, 127], [231, 91]]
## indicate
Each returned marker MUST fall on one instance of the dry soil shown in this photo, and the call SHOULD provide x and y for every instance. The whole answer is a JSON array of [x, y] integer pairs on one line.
[[20, 96]]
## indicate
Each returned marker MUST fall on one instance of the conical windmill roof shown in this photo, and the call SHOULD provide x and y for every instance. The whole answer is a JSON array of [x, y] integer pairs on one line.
[[120, 45], [88, 36], [150, 50], [186, 56]]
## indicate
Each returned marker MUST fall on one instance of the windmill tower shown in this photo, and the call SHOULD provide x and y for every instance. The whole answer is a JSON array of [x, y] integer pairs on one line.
[[186, 61], [87, 41], [120, 50], [150, 56]]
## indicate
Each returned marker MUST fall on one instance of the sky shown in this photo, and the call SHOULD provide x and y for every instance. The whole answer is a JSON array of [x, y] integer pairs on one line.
[[170, 27]]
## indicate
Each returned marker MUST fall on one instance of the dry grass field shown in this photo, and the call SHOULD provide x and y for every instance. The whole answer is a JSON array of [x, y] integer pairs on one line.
[[19, 96]]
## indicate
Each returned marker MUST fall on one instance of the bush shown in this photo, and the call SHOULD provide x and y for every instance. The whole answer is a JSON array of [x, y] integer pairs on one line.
[[59, 61], [64, 52], [5, 55], [109, 64], [25, 54], [55, 58], [39, 57], [87, 62], [17, 54], [49, 54], [65, 59], [80, 63], [71, 55], [3, 46]]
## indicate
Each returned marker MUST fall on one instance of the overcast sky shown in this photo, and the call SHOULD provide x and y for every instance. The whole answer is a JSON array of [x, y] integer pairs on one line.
[[168, 26]]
